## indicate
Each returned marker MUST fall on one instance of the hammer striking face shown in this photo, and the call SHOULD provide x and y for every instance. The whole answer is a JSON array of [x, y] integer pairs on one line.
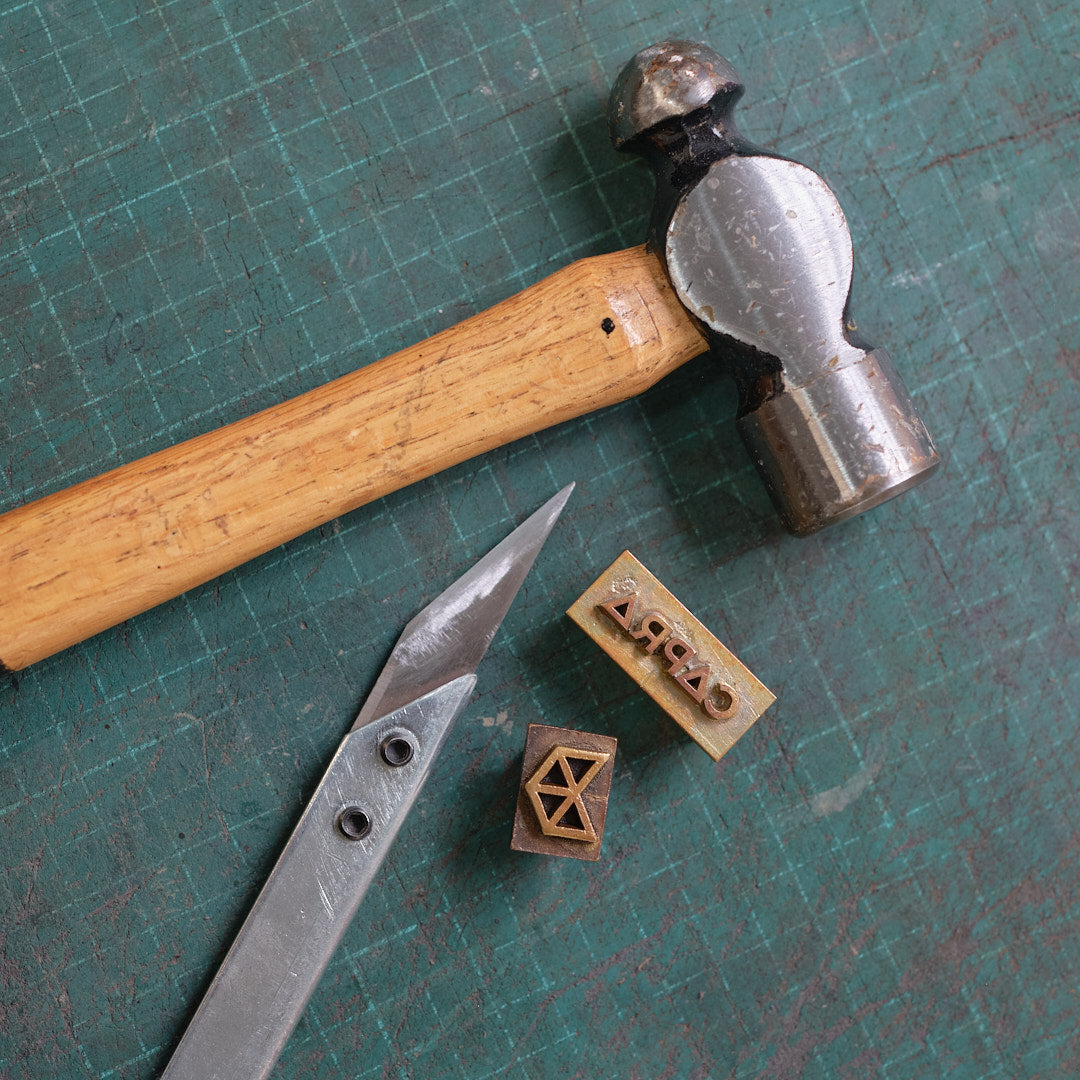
[[760, 263], [759, 253]]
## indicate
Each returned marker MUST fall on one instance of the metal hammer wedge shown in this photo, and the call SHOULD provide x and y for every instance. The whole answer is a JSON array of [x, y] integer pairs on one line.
[[748, 256]]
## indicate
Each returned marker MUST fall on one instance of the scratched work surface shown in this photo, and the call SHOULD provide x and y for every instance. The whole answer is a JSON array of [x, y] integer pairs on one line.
[[211, 207]]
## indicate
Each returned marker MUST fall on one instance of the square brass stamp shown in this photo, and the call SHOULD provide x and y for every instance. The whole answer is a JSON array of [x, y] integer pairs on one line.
[[671, 655], [562, 801]]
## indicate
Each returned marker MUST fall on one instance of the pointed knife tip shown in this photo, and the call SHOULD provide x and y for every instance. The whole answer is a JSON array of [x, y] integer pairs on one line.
[[450, 635]]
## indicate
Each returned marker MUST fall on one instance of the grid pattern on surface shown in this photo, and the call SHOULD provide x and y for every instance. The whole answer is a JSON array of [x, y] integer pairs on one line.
[[209, 208]]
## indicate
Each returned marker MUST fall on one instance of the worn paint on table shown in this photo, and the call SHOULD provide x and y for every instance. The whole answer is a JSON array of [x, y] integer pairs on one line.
[[208, 208]]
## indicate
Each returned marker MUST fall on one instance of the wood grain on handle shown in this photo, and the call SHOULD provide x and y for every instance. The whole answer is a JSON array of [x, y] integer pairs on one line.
[[84, 559]]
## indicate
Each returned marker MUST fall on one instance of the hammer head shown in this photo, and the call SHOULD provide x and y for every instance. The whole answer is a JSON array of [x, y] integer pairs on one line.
[[759, 253]]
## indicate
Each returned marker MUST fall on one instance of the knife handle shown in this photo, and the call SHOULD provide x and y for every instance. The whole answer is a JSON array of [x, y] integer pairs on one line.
[[79, 561], [281, 951]]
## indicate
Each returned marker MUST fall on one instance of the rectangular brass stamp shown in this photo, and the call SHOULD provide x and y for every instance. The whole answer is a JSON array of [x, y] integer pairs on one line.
[[671, 655]]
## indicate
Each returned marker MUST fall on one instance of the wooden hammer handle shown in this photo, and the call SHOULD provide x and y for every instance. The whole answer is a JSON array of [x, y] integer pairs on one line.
[[596, 332]]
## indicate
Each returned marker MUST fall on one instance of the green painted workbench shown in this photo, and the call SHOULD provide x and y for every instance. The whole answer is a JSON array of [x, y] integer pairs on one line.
[[210, 207]]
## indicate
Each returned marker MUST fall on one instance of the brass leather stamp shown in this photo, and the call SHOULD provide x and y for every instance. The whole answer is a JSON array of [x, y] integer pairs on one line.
[[671, 655], [562, 801]]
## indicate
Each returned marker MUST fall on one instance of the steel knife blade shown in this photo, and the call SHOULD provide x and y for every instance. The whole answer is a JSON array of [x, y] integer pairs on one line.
[[348, 826]]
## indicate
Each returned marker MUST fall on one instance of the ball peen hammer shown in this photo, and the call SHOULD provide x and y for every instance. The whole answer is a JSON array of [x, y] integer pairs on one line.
[[748, 256]]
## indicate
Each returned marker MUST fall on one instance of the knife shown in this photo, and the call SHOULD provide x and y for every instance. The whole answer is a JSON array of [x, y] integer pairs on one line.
[[347, 828]]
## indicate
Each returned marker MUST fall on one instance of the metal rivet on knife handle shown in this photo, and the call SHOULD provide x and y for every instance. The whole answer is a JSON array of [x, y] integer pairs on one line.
[[397, 749], [353, 823]]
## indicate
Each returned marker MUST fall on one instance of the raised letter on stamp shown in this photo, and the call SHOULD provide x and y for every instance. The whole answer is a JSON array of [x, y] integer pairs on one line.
[[671, 655]]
